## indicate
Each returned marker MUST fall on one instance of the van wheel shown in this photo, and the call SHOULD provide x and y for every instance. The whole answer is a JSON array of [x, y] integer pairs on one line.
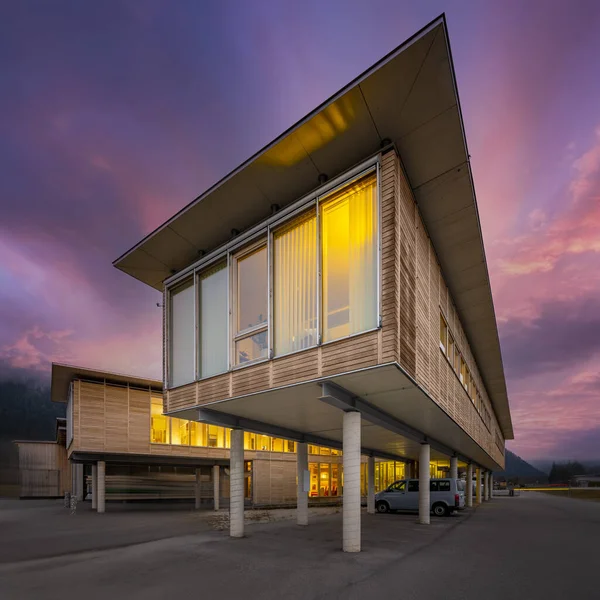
[[440, 510], [383, 507]]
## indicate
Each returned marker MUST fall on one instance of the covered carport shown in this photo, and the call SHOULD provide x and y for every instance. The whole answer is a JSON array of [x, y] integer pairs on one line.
[[378, 411]]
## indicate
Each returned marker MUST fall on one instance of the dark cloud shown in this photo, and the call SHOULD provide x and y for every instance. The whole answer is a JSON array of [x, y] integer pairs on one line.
[[564, 334]]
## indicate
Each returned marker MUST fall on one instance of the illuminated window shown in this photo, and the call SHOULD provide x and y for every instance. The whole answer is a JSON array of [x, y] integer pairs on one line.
[[313, 469], [324, 483], [463, 371], [295, 285], [159, 424], [181, 335], [324, 451], [277, 445], [198, 434], [443, 335], [180, 432], [456, 361], [349, 259], [335, 469], [251, 306], [214, 315], [249, 441], [264, 442]]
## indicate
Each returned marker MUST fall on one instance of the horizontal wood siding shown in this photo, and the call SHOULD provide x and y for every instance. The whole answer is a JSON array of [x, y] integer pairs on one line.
[[407, 321], [432, 370], [389, 258]]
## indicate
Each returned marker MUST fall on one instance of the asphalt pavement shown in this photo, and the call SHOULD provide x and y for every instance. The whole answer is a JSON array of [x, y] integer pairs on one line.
[[532, 546]]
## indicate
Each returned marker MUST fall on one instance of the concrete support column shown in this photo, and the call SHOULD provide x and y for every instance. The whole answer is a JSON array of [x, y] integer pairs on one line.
[[453, 467], [408, 470], [351, 498], [486, 486], [197, 489], [77, 481], [101, 485], [478, 485], [469, 489], [301, 491], [424, 477], [217, 486], [236, 484], [491, 484], [371, 485], [94, 487]]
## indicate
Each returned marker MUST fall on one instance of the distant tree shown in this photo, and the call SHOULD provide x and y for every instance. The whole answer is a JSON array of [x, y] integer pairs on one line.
[[564, 472]]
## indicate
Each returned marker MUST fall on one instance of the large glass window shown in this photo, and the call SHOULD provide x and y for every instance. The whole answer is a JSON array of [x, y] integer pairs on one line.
[[160, 430], [251, 306], [295, 285], [214, 313], [181, 366], [349, 259]]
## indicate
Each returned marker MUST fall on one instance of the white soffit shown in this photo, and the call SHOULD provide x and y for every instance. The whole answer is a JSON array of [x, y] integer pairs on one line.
[[299, 408], [409, 98]]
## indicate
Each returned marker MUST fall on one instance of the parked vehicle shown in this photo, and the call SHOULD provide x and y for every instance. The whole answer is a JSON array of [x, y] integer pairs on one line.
[[446, 496]]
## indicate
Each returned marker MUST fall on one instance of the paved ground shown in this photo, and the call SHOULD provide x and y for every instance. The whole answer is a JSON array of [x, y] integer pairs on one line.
[[533, 546]]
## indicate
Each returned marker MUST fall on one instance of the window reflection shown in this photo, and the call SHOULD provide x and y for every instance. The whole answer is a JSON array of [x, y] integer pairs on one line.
[[252, 289]]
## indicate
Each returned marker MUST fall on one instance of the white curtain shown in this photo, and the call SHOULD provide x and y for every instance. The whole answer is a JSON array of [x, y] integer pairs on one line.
[[295, 285], [181, 365], [349, 259], [213, 321]]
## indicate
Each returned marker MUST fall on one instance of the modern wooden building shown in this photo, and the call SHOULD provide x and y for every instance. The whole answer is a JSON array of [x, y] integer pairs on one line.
[[333, 289], [118, 420]]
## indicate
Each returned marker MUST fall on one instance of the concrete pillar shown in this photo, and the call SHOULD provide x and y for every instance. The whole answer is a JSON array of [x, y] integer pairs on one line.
[[77, 481], [371, 485], [453, 467], [101, 485], [486, 486], [491, 484], [408, 470], [217, 486], [236, 484], [351, 498], [469, 489], [94, 487], [302, 492], [478, 485], [197, 489], [424, 477]]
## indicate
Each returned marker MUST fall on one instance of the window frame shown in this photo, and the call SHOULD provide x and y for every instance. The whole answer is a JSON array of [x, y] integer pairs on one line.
[[244, 244], [236, 336]]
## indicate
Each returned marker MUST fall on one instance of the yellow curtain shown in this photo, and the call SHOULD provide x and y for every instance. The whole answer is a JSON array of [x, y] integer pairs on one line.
[[349, 259], [295, 285]]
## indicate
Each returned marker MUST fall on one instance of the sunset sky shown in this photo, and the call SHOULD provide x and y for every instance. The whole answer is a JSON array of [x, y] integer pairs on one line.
[[116, 114]]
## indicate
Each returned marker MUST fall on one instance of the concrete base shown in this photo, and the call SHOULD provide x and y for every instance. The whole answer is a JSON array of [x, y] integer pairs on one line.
[[101, 485], [424, 478], [301, 492], [236, 484], [216, 487]]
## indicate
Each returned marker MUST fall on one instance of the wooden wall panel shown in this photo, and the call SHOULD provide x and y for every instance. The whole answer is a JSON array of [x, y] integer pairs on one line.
[[295, 367], [431, 295], [139, 421], [250, 379], [351, 354], [389, 256], [407, 325], [116, 421], [91, 416], [181, 397]]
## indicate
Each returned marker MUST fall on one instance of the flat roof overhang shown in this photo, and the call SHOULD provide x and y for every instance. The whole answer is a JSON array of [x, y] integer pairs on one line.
[[409, 98], [299, 408], [62, 375]]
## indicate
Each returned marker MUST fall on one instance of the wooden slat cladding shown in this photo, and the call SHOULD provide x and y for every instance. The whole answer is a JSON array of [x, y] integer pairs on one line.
[[91, 416], [350, 354], [295, 367], [116, 417], [251, 379], [420, 305], [389, 257], [407, 277], [139, 421], [181, 397]]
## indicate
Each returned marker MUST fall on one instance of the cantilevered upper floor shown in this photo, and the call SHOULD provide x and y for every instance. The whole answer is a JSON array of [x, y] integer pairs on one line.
[[348, 250]]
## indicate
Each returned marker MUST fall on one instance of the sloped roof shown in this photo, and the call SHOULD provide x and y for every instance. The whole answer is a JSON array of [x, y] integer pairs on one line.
[[409, 98]]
